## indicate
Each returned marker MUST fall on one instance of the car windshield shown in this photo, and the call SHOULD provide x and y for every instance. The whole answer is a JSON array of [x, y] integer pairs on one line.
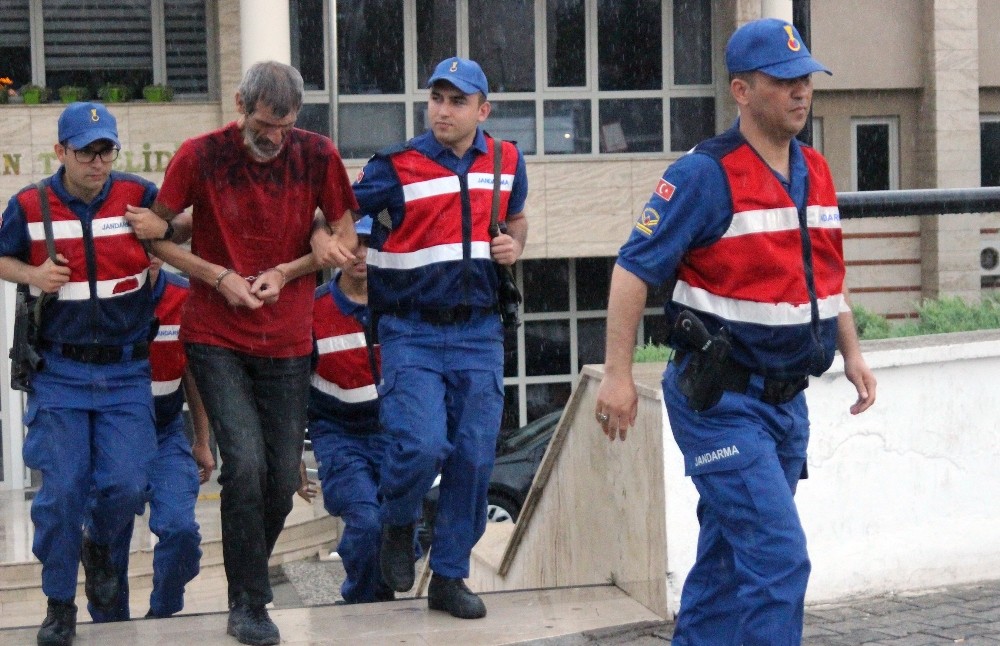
[[518, 438]]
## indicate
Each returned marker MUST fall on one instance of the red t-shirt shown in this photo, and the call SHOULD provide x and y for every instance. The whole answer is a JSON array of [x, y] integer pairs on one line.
[[251, 216]]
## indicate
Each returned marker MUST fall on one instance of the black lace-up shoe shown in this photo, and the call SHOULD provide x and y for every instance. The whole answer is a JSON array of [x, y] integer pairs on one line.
[[252, 625], [455, 598], [59, 627], [396, 558], [101, 582]]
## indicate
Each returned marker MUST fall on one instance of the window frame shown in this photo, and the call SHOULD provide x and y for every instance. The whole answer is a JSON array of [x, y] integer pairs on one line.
[[414, 93], [892, 122], [984, 118], [157, 41]]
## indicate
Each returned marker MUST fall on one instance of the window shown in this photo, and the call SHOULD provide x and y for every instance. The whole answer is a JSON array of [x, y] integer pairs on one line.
[[564, 328], [875, 154], [989, 143], [567, 77], [92, 42]]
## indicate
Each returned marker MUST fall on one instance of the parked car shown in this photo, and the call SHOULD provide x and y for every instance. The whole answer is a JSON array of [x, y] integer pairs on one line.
[[519, 452]]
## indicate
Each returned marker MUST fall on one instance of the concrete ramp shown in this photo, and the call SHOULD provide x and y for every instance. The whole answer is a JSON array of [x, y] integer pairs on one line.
[[512, 618]]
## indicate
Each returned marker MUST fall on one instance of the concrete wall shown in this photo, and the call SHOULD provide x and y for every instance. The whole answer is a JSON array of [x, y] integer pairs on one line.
[[898, 498]]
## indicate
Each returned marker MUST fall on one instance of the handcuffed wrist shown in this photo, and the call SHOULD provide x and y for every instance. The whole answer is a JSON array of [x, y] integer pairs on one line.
[[222, 274]]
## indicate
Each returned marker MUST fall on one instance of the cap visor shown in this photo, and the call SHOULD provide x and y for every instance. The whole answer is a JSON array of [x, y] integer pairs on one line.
[[794, 69], [85, 139], [463, 87]]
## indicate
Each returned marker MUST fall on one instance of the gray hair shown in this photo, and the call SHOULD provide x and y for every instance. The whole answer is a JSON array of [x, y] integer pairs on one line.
[[276, 85]]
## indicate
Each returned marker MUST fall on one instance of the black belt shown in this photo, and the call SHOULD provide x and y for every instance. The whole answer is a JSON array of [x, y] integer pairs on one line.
[[442, 315], [100, 354], [736, 378]]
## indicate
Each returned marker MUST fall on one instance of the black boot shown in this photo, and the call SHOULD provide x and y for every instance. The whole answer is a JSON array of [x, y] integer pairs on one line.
[[59, 626], [396, 557], [252, 625], [100, 582], [455, 598]]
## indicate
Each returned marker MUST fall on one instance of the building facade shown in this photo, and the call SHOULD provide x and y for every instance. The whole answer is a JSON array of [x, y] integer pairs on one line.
[[601, 95]]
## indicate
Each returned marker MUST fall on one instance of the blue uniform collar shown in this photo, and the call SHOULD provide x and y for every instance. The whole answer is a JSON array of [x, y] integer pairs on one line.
[[80, 208], [431, 147], [344, 304]]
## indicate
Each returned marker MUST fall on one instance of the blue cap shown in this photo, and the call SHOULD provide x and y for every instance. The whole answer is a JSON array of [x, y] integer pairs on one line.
[[363, 227], [81, 124], [773, 47], [463, 73]]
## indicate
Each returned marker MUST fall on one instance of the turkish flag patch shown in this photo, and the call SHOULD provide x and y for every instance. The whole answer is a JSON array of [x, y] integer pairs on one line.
[[665, 190]]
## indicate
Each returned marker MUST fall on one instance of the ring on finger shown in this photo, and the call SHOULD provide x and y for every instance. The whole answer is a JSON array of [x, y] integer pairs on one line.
[[602, 418]]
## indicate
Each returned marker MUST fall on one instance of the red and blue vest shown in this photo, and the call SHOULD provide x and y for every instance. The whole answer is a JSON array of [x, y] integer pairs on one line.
[[438, 255], [107, 300], [775, 277], [166, 354], [342, 388]]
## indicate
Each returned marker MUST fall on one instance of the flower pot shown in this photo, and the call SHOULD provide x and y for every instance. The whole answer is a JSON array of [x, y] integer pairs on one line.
[[32, 97], [157, 94], [70, 96]]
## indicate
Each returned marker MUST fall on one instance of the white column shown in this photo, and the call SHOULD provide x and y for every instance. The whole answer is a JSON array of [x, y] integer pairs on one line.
[[11, 407], [776, 9], [264, 32]]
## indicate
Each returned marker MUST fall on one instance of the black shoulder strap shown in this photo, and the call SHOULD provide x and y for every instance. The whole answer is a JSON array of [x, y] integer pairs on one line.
[[43, 201], [495, 210]]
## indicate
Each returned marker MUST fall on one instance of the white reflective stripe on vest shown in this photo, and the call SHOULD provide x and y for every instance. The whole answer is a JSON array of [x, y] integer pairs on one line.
[[349, 395], [431, 188], [80, 291], [161, 388], [451, 184], [425, 257], [823, 217], [763, 221], [782, 219], [340, 343], [61, 230], [167, 333], [110, 226], [485, 181], [732, 309]]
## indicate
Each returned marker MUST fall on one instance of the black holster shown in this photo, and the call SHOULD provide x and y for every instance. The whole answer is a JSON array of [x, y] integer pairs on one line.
[[703, 379], [25, 360]]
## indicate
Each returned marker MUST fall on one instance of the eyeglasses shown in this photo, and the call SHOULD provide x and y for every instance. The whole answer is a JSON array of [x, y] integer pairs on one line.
[[86, 156]]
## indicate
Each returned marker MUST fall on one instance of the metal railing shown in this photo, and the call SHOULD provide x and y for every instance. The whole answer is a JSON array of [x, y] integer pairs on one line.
[[932, 201]]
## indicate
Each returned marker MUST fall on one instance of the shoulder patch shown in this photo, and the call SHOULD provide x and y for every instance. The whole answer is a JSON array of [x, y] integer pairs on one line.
[[648, 220], [665, 189]]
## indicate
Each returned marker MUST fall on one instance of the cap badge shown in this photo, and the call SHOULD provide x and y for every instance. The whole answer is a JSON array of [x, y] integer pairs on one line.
[[454, 66], [793, 44], [93, 115]]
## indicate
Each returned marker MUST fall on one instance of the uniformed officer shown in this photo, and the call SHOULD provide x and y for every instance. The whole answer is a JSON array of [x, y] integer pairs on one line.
[[178, 469], [747, 228], [433, 287], [90, 417], [343, 422]]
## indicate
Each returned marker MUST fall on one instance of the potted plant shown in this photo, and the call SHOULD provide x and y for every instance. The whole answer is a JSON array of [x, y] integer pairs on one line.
[[34, 94], [158, 93], [114, 93], [73, 93], [6, 91]]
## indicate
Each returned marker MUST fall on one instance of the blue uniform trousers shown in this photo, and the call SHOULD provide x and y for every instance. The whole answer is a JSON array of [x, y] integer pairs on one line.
[[442, 399], [90, 427], [173, 475], [349, 472], [745, 457]]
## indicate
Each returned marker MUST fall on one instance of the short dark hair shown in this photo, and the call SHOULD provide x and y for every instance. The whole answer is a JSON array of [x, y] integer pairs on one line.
[[276, 85]]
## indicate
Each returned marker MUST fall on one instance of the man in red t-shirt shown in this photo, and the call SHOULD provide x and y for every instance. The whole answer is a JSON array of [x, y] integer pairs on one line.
[[254, 187]]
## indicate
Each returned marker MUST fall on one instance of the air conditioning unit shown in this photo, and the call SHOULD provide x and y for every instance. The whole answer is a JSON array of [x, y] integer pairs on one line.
[[989, 258]]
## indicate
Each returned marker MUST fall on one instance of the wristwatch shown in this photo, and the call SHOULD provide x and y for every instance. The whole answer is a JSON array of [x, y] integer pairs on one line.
[[169, 233]]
